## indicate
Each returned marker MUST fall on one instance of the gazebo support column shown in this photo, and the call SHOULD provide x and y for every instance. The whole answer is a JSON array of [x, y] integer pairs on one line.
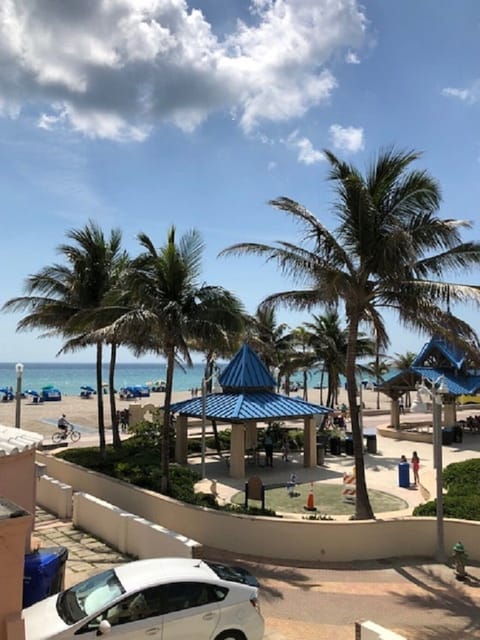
[[309, 442], [237, 451], [450, 413], [181, 439]]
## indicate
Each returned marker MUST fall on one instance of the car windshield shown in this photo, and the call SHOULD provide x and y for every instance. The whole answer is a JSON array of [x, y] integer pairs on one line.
[[89, 596], [233, 574]]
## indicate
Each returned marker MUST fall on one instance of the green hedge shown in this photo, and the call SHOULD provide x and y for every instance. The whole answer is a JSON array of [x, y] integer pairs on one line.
[[462, 481]]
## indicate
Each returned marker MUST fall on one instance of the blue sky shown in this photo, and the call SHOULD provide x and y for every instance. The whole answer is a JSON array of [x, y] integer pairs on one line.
[[141, 114]]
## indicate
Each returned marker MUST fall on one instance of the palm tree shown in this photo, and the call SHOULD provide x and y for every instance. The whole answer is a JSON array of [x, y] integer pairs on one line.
[[66, 298], [378, 369], [273, 342], [305, 356], [404, 361], [390, 249], [330, 341], [178, 310]]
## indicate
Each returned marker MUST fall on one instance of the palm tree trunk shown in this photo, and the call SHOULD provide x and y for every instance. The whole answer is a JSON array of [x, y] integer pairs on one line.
[[322, 378], [165, 455], [377, 369], [305, 385], [117, 442], [101, 418], [363, 509]]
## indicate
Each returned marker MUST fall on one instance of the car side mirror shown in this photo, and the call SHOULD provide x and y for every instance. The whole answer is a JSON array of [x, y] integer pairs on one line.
[[104, 627]]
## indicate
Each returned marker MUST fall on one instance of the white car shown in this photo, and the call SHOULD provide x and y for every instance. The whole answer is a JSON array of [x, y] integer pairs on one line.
[[160, 598]]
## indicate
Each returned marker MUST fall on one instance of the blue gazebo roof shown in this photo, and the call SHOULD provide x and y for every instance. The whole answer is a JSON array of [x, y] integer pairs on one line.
[[241, 407], [246, 372], [454, 355], [457, 384], [437, 358], [247, 395]]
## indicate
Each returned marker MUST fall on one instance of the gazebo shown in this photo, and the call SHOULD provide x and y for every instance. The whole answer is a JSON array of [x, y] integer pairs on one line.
[[248, 397], [437, 358]]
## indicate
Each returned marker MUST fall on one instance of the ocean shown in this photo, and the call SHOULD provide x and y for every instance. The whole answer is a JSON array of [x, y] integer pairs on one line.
[[70, 377]]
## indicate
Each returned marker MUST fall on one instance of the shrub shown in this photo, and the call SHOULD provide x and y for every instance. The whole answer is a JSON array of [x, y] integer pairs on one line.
[[136, 464], [462, 478], [252, 511], [461, 507], [194, 446], [224, 437]]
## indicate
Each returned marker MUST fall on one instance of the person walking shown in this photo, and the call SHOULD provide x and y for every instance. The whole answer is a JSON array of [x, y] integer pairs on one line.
[[268, 444], [415, 461]]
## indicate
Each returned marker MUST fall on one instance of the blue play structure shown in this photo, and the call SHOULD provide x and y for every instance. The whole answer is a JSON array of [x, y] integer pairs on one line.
[[50, 393]]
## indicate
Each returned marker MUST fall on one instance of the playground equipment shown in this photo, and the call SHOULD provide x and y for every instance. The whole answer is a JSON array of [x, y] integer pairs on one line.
[[349, 491]]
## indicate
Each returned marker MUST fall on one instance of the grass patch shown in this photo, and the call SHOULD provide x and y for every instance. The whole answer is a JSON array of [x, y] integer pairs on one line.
[[327, 497]]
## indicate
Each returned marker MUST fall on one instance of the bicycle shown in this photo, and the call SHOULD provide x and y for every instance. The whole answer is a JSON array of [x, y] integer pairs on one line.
[[60, 436]]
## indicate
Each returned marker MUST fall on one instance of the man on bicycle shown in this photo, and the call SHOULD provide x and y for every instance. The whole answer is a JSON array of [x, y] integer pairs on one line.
[[64, 425]]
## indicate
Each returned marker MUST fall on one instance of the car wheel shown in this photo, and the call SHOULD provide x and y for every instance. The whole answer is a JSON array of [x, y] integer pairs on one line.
[[233, 634]]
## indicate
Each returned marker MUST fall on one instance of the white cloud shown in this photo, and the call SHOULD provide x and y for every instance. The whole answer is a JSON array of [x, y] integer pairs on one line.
[[470, 94], [307, 154], [352, 58], [348, 139], [117, 68]]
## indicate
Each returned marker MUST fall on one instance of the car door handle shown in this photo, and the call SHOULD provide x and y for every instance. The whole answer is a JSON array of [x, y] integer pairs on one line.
[[208, 616], [152, 631]]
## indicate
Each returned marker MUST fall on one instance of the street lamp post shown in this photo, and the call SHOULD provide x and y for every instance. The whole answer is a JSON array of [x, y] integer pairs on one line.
[[18, 394], [436, 393], [204, 422]]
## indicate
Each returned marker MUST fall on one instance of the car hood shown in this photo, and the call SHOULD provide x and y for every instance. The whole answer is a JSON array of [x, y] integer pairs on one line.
[[42, 620]]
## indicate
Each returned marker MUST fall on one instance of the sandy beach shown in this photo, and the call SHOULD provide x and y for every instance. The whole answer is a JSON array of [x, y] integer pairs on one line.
[[42, 418]]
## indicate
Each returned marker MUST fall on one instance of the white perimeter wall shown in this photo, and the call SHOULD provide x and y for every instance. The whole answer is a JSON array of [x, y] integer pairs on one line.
[[280, 538]]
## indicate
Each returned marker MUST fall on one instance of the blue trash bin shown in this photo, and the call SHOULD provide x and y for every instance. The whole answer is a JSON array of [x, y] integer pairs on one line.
[[43, 574], [404, 475]]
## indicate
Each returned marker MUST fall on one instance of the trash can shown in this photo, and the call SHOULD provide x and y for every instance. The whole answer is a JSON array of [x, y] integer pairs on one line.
[[335, 446], [320, 453], [372, 443], [43, 574], [349, 446], [457, 433], [447, 436], [404, 475]]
